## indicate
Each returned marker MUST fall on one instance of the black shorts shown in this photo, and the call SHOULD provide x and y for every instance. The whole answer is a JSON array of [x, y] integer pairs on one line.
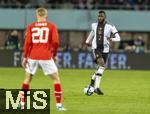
[[99, 54]]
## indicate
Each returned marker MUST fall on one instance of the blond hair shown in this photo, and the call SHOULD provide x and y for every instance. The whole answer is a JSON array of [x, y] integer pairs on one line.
[[42, 12]]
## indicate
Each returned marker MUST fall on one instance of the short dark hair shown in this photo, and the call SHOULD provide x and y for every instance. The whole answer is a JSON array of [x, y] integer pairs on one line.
[[101, 11], [41, 11]]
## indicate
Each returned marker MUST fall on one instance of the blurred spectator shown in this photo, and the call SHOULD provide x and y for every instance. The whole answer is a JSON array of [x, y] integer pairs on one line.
[[139, 45], [79, 4], [12, 41], [128, 48], [3, 3], [82, 4]]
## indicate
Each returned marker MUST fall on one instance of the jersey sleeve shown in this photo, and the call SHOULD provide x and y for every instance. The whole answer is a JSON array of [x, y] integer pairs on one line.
[[27, 42], [116, 36], [55, 39]]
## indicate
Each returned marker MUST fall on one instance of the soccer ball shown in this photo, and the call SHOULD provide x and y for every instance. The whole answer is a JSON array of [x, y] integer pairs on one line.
[[89, 90]]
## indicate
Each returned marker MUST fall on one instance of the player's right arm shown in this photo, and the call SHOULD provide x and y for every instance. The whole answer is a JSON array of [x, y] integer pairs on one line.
[[27, 45], [90, 37]]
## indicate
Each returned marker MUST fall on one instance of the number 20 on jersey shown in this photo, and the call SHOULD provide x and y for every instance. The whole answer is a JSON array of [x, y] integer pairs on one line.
[[40, 35]]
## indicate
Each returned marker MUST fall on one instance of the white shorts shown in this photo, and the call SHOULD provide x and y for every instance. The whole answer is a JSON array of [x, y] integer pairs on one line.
[[48, 66]]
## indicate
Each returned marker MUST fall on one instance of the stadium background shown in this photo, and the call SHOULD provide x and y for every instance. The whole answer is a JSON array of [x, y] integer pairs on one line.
[[74, 19], [127, 92]]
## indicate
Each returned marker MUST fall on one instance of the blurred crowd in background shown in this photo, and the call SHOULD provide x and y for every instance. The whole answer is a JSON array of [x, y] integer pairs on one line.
[[79, 4], [14, 41], [130, 41]]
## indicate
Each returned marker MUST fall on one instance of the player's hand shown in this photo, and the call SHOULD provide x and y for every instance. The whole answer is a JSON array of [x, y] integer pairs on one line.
[[55, 58], [87, 44], [110, 39], [24, 63]]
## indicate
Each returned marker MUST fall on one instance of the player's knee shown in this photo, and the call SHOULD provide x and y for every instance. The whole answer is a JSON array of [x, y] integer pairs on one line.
[[100, 62]]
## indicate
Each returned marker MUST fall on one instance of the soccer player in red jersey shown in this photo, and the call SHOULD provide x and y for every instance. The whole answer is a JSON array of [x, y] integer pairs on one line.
[[40, 49]]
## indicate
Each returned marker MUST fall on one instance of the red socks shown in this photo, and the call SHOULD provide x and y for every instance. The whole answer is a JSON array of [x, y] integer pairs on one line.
[[57, 93], [25, 88]]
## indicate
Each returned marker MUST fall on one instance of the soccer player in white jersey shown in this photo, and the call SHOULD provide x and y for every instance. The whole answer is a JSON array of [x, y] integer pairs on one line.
[[99, 38]]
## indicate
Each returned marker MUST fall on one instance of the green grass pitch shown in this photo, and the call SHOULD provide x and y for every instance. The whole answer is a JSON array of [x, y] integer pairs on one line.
[[126, 92]]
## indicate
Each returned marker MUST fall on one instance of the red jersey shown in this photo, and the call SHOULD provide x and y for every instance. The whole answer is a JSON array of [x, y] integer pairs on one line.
[[40, 37]]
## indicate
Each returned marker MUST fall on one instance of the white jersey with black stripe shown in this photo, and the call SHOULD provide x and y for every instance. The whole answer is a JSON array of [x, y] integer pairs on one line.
[[109, 29]]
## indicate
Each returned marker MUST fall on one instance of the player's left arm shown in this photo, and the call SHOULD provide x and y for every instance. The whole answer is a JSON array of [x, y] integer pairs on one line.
[[115, 35], [55, 39]]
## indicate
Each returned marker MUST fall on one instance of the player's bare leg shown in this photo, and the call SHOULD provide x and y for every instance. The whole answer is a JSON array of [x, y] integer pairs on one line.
[[28, 78], [57, 91]]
